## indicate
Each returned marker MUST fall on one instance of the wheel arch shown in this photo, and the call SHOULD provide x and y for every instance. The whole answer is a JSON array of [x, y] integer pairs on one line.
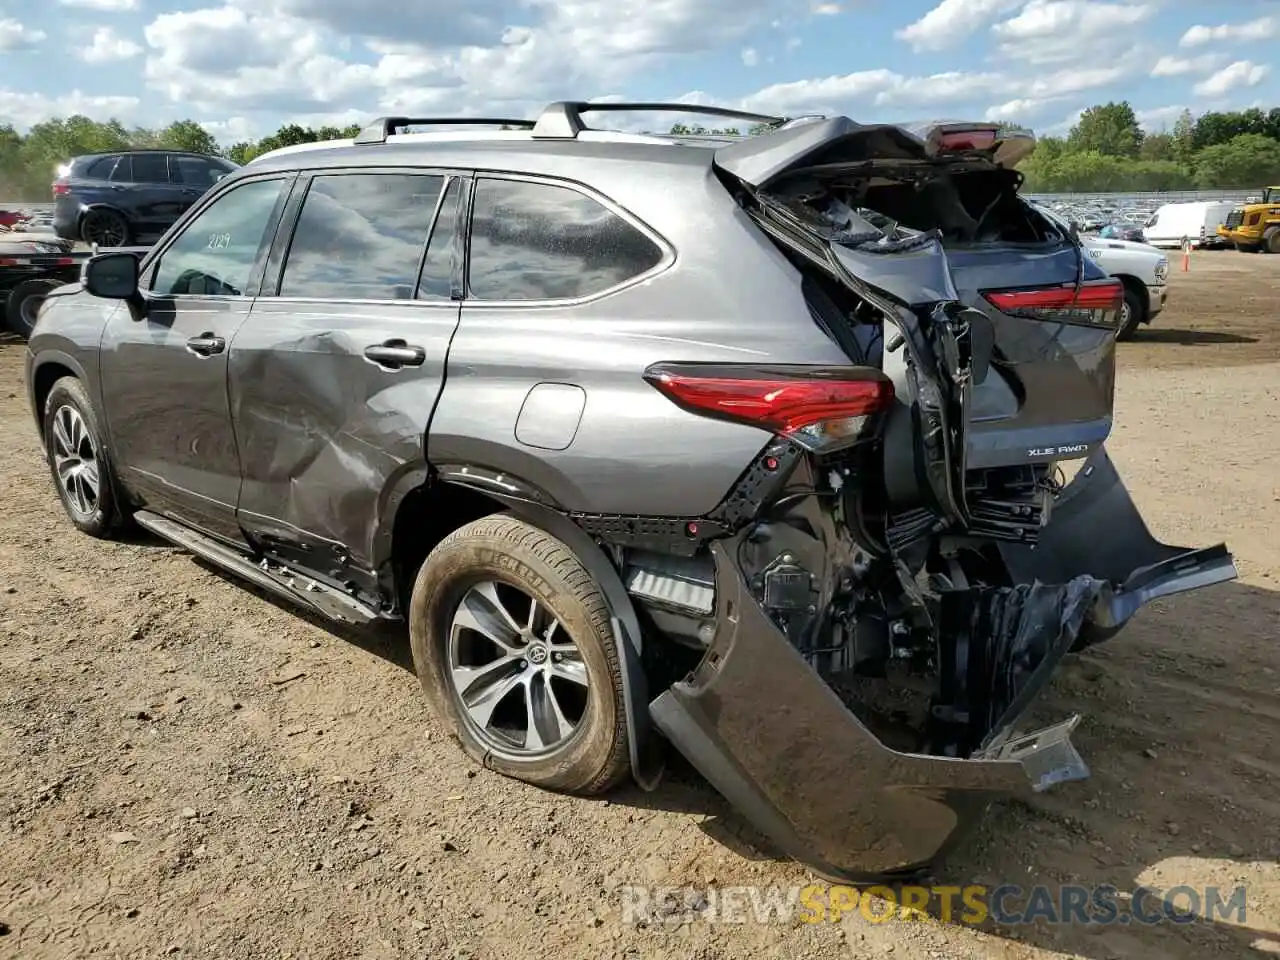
[[102, 205], [47, 369], [427, 504], [1139, 289]]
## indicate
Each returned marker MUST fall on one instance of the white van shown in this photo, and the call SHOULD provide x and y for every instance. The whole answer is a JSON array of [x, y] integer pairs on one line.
[[1196, 221]]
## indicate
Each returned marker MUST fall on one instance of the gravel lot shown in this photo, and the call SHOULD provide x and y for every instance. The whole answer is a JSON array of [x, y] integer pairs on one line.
[[188, 769]]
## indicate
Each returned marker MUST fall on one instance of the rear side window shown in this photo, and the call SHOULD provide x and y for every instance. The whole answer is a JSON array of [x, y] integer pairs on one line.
[[101, 168], [361, 236], [150, 168], [539, 241], [123, 172]]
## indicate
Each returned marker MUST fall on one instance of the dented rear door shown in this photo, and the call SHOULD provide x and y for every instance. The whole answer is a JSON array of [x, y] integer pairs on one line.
[[334, 376]]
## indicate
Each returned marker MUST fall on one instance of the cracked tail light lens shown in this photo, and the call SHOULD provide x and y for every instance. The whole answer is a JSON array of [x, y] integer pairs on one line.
[[1097, 303], [819, 408]]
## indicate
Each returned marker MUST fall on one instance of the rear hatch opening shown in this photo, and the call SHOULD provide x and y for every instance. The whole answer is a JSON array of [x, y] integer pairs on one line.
[[885, 620]]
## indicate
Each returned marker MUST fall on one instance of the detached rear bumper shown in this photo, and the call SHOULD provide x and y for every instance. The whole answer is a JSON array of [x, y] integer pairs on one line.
[[768, 732]]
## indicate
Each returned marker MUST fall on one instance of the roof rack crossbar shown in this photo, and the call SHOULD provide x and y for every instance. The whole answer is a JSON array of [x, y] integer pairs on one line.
[[563, 119], [383, 127]]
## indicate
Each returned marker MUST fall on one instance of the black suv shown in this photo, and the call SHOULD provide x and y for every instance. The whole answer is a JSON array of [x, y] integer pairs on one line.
[[114, 199]]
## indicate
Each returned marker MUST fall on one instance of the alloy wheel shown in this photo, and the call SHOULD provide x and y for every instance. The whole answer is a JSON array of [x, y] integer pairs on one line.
[[517, 674], [104, 230], [75, 461]]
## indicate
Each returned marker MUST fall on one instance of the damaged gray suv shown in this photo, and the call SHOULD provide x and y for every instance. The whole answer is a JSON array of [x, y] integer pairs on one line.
[[753, 445]]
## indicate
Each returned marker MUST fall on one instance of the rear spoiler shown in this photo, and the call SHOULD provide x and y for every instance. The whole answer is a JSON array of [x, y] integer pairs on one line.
[[759, 160]]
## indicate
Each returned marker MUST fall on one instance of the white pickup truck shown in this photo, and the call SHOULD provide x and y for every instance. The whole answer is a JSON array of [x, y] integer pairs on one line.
[[1142, 269]]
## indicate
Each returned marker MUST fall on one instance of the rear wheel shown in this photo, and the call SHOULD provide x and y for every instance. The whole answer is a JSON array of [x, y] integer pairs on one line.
[[1271, 240], [106, 228], [24, 304], [77, 455], [513, 646], [1131, 314]]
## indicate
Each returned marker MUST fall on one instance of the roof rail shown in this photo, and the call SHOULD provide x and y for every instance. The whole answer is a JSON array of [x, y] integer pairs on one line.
[[563, 119], [383, 127]]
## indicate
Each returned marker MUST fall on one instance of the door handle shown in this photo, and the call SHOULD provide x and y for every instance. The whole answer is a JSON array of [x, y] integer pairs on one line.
[[206, 345], [394, 354]]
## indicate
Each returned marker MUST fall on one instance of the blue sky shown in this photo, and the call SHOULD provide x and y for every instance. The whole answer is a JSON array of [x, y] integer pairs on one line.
[[242, 67]]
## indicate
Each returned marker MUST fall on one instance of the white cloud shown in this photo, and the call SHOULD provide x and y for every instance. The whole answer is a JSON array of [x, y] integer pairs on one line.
[[226, 59], [1242, 73], [25, 109], [1264, 28], [1172, 66], [1061, 31], [825, 9], [114, 6], [951, 22], [108, 47], [856, 93], [1160, 118], [750, 57], [15, 36], [1019, 110]]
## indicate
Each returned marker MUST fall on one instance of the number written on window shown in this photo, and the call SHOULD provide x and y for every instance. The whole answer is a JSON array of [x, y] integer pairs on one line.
[[361, 236], [537, 241], [214, 255]]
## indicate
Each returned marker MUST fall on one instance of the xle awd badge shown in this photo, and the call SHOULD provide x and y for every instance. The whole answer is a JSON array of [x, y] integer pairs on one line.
[[1070, 450]]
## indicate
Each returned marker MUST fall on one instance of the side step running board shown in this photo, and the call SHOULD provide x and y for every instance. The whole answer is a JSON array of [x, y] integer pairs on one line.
[[276, 579]]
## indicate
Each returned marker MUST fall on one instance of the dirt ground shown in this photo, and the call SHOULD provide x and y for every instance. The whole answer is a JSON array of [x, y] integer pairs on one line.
[[188, 769]]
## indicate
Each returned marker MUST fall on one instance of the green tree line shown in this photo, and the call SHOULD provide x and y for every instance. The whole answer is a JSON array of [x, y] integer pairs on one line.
[[28, 164], [1107, 150]]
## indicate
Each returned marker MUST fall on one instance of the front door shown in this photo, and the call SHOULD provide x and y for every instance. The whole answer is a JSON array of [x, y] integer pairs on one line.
[[336, 372], [164, 365]]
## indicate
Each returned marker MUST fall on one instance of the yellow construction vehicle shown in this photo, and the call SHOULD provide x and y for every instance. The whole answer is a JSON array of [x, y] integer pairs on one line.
[[1255, 226]]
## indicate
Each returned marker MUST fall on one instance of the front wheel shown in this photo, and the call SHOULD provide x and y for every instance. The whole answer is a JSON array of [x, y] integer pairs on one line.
[[513, 646], [77, 455], [1271, 240]]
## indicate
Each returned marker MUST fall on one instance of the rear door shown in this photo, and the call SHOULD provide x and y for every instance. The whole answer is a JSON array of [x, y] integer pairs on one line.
[[152, 200], [335, 374]]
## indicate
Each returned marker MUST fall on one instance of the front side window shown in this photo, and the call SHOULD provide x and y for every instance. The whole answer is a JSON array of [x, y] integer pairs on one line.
[[361, 236], [214, 255], [539, 241]]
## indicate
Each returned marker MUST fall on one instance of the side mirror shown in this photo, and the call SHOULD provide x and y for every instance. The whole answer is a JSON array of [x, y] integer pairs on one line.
[[1075, 229], [112, 276]]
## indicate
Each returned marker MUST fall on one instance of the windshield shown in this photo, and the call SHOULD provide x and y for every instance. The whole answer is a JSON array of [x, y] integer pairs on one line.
[[1271, 194]]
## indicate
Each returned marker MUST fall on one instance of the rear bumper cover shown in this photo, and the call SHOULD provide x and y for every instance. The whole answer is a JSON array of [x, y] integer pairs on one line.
[[768, 732]]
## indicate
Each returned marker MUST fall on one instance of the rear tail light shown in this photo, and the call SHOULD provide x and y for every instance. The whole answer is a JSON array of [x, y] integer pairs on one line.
[[1097, 302], [60, 188], [981, 138], [819, 408]]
